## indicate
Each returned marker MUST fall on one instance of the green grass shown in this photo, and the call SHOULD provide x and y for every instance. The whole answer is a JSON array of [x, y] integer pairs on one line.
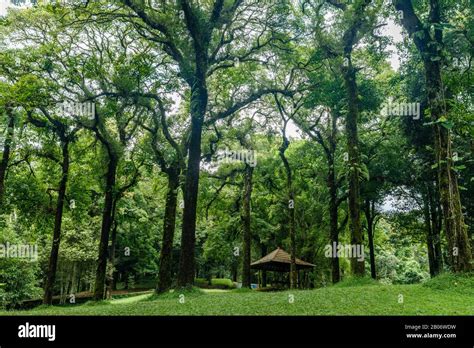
[[439, 296]]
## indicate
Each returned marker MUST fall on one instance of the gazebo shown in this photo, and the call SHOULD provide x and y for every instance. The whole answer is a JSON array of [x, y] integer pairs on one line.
[[279, 261]]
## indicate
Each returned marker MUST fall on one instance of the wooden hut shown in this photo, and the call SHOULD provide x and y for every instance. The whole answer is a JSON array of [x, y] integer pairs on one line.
[[279, 261]]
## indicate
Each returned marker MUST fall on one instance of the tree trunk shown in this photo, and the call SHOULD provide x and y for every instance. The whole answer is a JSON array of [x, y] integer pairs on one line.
[[73, 290], [79, 278], [235, 271], [293, 273], [370, 217], [332, 185], [333, 217], [264, 273], [291, 217], [6, 151], [113, 244], [435, 230], [53, 258], [429, 236], [430, 47], [99, 290], [169, 223], [247, 234], [357, 267], [459, 249], [199, 98]]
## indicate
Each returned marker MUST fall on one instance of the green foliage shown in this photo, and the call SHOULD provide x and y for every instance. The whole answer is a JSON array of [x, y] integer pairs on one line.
[[18, 281], [410, 272], [18, 276], [222, 283], [141, 82], [216, 283]]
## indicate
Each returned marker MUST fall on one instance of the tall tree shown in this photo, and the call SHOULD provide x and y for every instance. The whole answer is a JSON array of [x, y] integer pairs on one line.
[[289, 186], [201, 43], [358, 24], [172, 165], [66, 136], [430, 44], [247, 233]]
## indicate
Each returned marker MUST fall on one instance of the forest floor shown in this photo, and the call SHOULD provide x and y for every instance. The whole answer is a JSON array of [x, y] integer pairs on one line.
[[444, 295]]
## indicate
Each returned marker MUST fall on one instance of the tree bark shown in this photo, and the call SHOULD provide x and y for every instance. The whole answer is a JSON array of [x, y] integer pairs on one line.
[[333, 215], [434, 230], [370, 216], [429, 236], [53, 258], [436, 223], [113, 244], [333, 200], [199, 99], [357, 267], [6, 151], [99, 290], [264, 273], [350, 38], [169, 223], [247, 233], [459, 249]]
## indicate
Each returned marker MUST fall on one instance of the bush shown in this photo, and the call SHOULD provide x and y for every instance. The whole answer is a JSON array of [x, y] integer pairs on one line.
[[216, 283], [17, 282], [222, 283], [461, 283], [410, 272]]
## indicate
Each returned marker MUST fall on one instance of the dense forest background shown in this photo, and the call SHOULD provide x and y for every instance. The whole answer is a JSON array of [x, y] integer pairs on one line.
[[212, 132]]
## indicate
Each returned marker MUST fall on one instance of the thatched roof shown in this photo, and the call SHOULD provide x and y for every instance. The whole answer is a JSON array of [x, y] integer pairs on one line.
[[279, 260]]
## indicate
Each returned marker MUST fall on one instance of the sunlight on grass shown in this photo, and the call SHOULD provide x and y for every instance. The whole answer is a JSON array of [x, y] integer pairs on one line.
[[210, 291], [131, 299]]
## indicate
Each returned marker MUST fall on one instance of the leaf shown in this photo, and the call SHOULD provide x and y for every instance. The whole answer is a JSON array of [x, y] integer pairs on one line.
[[448, 124]]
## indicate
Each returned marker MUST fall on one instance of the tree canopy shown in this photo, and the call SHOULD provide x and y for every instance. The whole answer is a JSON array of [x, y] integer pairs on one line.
[[175, 142]]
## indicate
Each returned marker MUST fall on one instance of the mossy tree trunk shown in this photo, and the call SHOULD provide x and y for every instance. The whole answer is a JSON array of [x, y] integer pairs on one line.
[[430, 44]]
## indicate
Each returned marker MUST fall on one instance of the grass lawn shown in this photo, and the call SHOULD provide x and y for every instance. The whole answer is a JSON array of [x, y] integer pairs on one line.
[[444, 295]]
